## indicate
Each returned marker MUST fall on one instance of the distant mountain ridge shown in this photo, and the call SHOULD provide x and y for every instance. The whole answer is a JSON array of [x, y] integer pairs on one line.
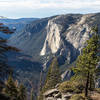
[[2, 17], [17, 24]]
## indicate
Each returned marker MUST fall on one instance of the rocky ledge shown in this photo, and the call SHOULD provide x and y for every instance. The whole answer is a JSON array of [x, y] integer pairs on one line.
[[55, 94]]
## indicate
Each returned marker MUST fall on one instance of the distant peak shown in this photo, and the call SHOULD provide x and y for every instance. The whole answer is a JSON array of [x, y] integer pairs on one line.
[[2, 17]]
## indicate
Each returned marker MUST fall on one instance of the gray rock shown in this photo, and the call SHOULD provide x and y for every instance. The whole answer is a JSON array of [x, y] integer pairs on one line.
[[54, 94], [67, 75]]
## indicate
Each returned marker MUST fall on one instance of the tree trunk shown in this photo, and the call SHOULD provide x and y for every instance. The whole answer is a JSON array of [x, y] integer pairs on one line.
[[92, 84], [40, 83], [87, 85]]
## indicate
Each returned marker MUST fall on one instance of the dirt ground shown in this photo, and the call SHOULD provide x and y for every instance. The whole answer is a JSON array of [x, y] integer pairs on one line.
[[95, 96]]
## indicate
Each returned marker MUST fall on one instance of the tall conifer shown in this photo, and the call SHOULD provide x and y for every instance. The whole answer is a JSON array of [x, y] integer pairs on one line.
[[88, 60]]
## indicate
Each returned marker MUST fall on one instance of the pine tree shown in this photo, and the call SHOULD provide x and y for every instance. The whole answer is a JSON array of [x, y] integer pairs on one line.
[[88, 60], [11, 89], [22, 93], [32, 94], [4, 67], [53, 76], [40, 82]]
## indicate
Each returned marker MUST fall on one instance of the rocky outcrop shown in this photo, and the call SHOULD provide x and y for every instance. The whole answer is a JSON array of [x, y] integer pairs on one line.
[[76, 34], [67, 75], [53, 40], [54, 94]]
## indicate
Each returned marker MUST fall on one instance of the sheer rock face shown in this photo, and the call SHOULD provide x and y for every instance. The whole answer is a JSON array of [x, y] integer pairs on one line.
[[76, 34], [67, 75], [53, 40]]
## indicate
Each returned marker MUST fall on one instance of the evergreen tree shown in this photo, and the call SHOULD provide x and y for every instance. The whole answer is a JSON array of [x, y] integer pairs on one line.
[[52, 79], [4, 67], [88, 60], [40, 82], [32, 94], [11, 89], [22, 93], [53, 76]]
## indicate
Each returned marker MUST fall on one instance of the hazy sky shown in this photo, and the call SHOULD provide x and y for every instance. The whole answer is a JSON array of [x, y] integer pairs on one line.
[[44, 8]]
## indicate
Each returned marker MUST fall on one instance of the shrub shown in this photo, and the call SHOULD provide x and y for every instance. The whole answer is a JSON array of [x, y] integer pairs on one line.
[[98, 90], [66, 87], [77, 97], [71, 86]]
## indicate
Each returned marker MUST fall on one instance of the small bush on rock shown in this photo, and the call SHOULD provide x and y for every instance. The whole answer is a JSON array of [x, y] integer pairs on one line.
[[71, 86], [77, 97]]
